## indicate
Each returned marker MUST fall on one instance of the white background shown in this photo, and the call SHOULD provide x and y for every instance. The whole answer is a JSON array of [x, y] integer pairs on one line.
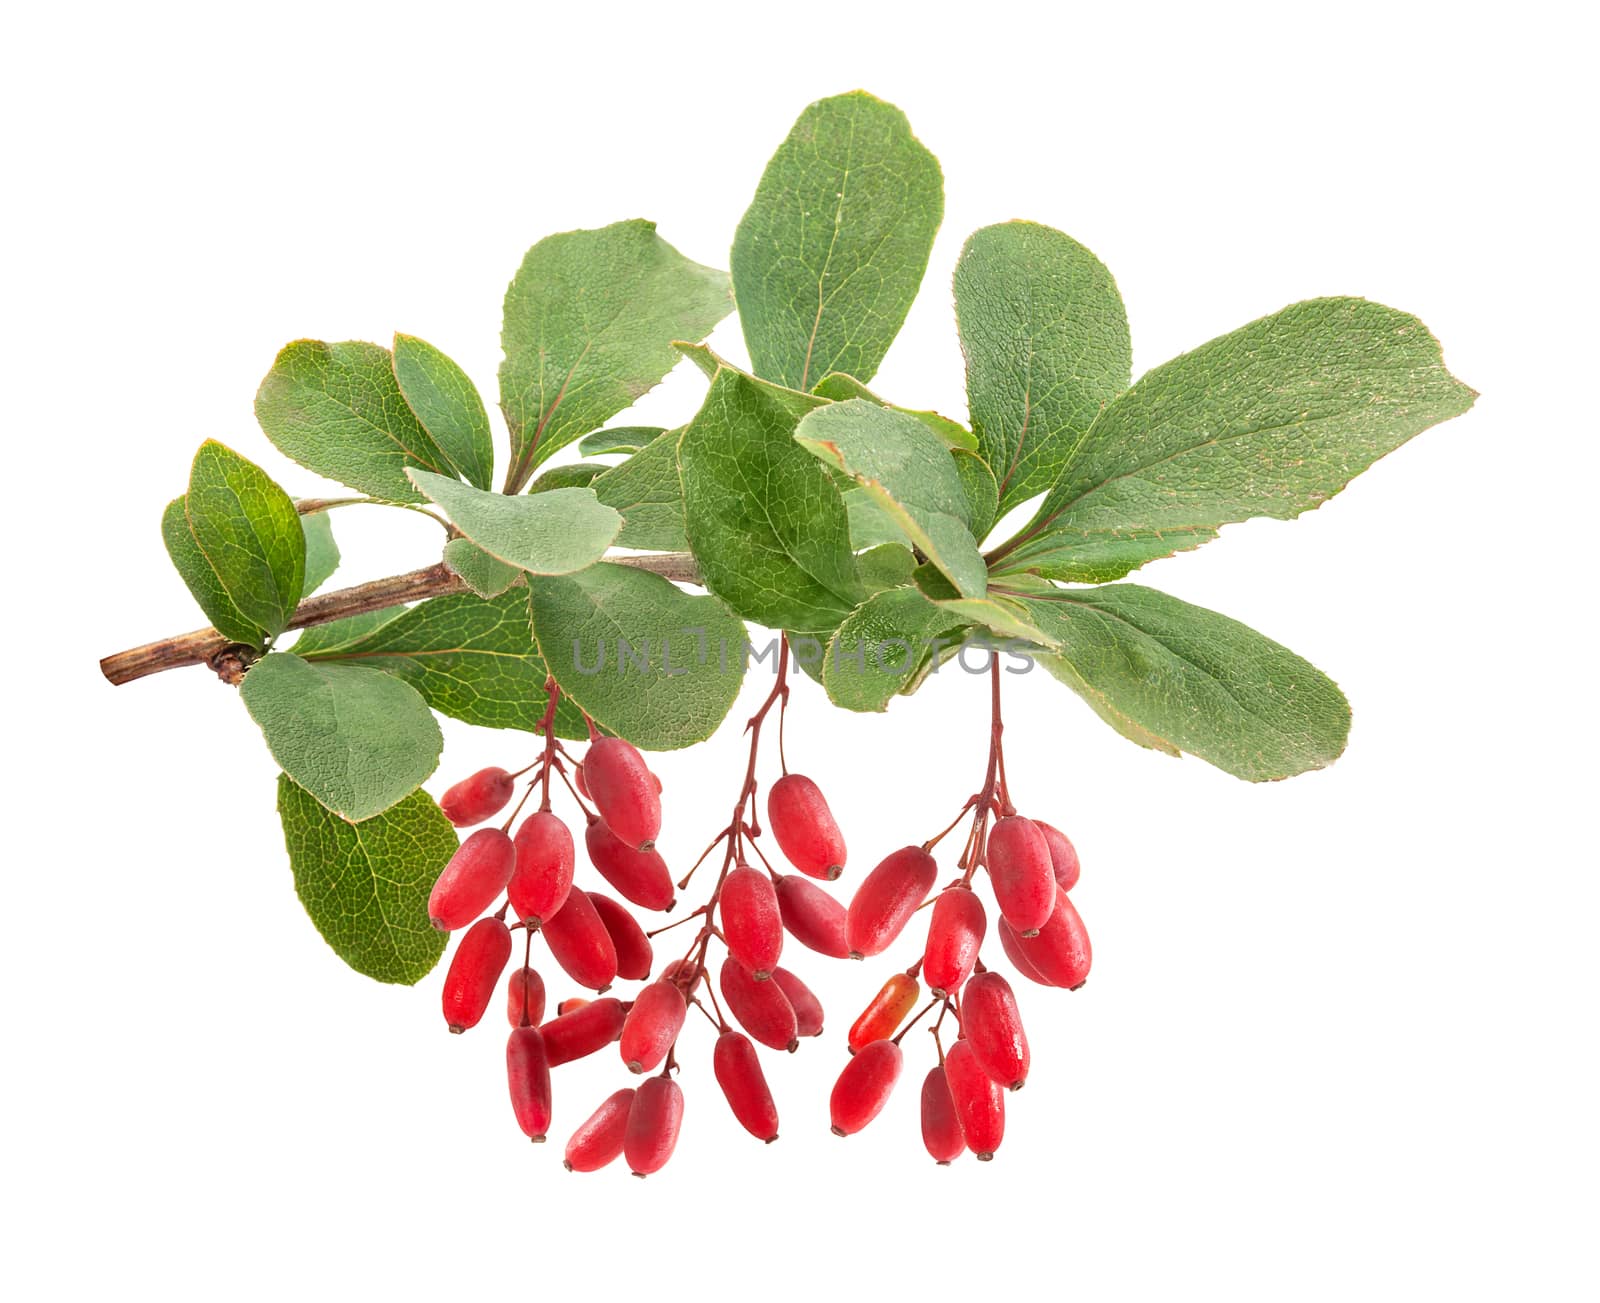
[[1339, 1039]]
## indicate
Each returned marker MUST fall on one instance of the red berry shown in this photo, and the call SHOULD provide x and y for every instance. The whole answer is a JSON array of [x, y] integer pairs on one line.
[[745, 1085], [634, 954], [864, 1087], [886, 900], [653, 1123], [577, 1033], [568, 1005], [954, 934], [761, 1008], [478, 797], [525, 997], [581, 783], [543, 875], [528, 1071], [685, 972], [941, 1129], [888, 1009], [979, 1099], [1063, 855], [805, 828], [752, 924], [476, 874], [1011, 943], [807, 1008], [992, 1025], [812, 916], [652, 1025], [1024, 882], [474, 972], [580, 943], [599, 1140], [641, 876], [1060, 953], [624, 791]]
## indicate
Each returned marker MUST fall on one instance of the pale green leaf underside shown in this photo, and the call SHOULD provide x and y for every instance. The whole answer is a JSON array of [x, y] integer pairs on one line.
[[250, 533], [647, 491], [877, 650], [837, 387], [202, 581], [551, 533], [449, 407], [322, 552], [618, 438], [485, 575], [577, 475]]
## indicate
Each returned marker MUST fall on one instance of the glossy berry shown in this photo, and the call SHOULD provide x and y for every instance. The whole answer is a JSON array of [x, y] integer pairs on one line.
[[624, 791], [543, 876], [653, 1124], [476, 875], [478, 797], [641, 876], [807, 1008], [528, 1072], [804, 827], [634, 953], [1060, 953], [881, 1018], [812, 917], [570, 1003], [980, 1101], [886, 900], [941, 1129], [761, 1008], [1011, 943], [599, 1140], [1063, 856], [525, 997], [864, 1087], [580, 943], [474, 972], [1019, 866], [578, 1033], [652, 1025], [752, 924], [992, 1025], [738, 1072], [954, 934]]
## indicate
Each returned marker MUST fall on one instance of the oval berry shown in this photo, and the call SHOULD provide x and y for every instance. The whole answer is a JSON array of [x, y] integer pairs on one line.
[[1018, 861], [477, 873], [738, 1072], [653, 1123], [641, 876], [992, 1025], [886, 900], [807, 1008], [571, 1003], [474, 972], [634, 953], [543, 876], [1060, 953], [578, 1033], [525, 997], [1011, 943], [624, 791], [813, 917], [652, 1025], [941, 1129], [804, 827], [528, 1072], [599, 1140], [954, 934], [979, 1100], [580, 943], [761, 1008], [1063, 856], [864, 1087], [887, 1010], [478, 797], [752, 924]]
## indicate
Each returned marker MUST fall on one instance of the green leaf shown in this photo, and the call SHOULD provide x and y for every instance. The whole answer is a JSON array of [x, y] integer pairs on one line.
[[356, 739], [449, 407], [877, 651], [619, 438], [828, 257], [322, 553], [1090, 557], [471, 659], [366, 886], [679, 672], [576, 476], [551, 533], [589, 321], [1271, 420], [889, 565], [202, 580], [1046, 342], [483, 574], [764, 518], [983, 494], [250, 533], [648, 493], [338, 410], [1180, 677], [321, 638], [909, 473], [837, 387]]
